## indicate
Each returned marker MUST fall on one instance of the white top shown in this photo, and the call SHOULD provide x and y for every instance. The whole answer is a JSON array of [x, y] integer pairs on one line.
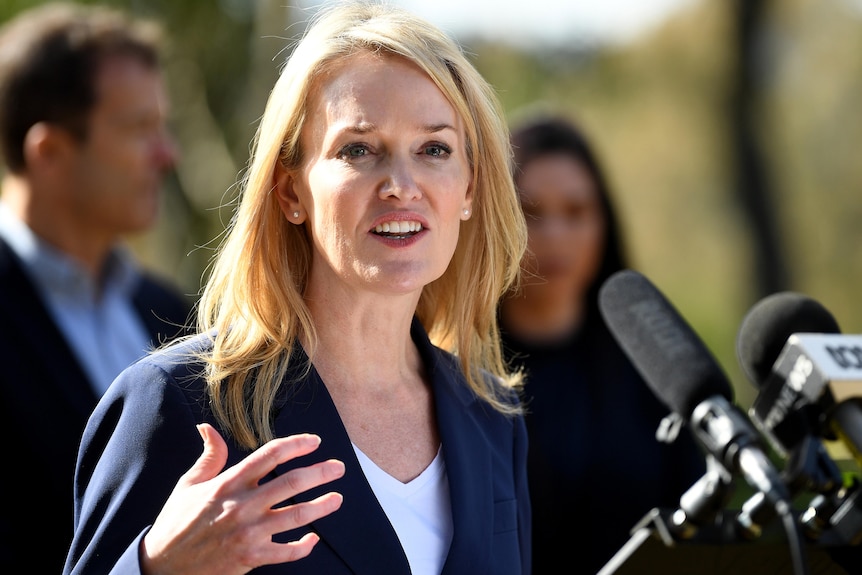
[[419, 511]]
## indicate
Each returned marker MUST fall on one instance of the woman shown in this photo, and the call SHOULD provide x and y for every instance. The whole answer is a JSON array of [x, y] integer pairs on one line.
[[595, 467], [377, 228]]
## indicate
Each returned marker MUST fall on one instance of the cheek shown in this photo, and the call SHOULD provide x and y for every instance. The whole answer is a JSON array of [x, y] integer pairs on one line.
[[121, 148], [529, 261], [333, 215], [451, 181], [99, 171], [592, 249]]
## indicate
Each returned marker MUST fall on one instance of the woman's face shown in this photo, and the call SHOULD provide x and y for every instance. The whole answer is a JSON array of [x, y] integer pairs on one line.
[[566, 225], [385, 178]]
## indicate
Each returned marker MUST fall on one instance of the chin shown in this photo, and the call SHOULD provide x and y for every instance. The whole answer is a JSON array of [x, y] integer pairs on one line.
[[551, 288]]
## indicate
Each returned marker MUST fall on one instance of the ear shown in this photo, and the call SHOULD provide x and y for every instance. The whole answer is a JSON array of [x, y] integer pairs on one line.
[[285, 193], [46, 145]]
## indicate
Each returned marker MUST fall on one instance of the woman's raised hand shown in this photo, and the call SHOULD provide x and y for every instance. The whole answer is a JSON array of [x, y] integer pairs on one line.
[[223, 522]]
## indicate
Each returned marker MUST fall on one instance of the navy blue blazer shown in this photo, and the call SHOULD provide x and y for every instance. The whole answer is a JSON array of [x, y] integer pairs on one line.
[[45, 400], [142, 437]]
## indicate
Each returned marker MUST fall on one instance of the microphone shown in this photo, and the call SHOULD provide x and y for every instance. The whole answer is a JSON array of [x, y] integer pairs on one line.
[[826, 369], [779, 411], [683, 374], [792, 349], [810, 382]]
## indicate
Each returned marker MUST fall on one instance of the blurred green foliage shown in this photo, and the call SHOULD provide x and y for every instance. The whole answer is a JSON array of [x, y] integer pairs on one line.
[[660, 112], [657, 109]]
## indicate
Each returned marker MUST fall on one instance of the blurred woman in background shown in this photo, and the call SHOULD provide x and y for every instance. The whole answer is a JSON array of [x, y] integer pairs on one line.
[[595, 467]]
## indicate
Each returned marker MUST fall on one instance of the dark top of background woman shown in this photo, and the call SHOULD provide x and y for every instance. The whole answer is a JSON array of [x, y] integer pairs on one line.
[[595, 467]]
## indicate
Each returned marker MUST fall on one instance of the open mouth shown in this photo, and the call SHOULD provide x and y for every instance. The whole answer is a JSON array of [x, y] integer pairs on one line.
[[398, 230]]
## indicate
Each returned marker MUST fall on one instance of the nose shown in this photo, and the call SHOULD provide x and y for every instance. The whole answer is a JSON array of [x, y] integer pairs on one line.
[[165, 150], [400, 180]]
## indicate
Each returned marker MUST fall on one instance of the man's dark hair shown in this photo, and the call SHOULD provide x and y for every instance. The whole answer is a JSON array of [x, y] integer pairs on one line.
[[49, 59]]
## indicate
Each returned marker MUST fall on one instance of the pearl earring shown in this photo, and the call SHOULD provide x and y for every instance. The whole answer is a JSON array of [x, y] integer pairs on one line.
[[295, 214], [466, 212]]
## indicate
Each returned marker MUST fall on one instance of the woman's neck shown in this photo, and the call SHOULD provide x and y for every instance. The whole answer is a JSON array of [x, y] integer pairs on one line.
[[363, 341]]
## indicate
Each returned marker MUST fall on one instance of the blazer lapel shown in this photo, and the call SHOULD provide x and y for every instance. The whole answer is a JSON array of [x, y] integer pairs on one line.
[[361, 524], [359, 532], [468, 461]]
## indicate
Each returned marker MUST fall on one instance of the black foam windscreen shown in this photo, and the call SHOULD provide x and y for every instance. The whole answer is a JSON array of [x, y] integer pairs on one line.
[[769, 323], [667, 352]]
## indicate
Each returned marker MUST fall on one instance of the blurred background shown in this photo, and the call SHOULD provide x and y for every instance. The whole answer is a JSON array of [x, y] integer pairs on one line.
[[730, 129]]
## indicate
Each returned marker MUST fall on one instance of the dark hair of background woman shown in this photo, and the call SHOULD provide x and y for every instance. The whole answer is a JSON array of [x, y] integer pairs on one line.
[[552, 135]]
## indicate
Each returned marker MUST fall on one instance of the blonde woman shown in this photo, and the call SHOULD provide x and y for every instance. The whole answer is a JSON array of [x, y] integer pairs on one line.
[[346, 385]]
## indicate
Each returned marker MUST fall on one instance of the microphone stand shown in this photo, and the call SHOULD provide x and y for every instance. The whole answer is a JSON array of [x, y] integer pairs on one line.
[[697, 517], [699, 507], [702, 530]]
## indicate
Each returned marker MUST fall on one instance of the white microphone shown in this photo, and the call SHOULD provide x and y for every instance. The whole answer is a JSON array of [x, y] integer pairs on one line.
[[822, 372]]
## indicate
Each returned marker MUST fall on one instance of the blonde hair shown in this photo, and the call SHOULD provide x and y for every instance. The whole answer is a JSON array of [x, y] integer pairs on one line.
[[253, 300]]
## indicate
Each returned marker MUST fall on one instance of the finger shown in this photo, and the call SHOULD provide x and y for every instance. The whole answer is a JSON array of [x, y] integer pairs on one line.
[[299, 549], [300, 480], [293, 517], [275, 553], [211, 461], [270, 455], [303, 514]]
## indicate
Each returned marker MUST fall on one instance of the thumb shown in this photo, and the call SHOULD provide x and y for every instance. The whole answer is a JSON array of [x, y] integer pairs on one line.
[[212, 460]]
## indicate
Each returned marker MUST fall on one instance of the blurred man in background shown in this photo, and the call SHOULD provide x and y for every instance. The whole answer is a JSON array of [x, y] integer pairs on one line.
[[85, 149]]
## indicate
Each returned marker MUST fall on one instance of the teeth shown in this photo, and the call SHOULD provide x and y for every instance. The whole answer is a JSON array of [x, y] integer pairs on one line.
[[398, 227]]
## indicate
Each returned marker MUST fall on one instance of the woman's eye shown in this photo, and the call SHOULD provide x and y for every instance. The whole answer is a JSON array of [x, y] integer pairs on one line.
[[353, 151], [437, 150]]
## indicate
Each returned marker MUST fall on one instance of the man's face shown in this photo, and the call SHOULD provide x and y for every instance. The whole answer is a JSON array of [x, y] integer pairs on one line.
[[118, 169]]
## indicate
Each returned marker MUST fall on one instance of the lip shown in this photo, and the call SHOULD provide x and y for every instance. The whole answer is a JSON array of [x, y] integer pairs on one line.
[[399, 242], [398, 217]]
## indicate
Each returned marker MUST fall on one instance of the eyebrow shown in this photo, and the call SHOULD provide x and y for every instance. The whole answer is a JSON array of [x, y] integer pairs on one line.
[[438, 128], [361, 128], [369, 127]]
